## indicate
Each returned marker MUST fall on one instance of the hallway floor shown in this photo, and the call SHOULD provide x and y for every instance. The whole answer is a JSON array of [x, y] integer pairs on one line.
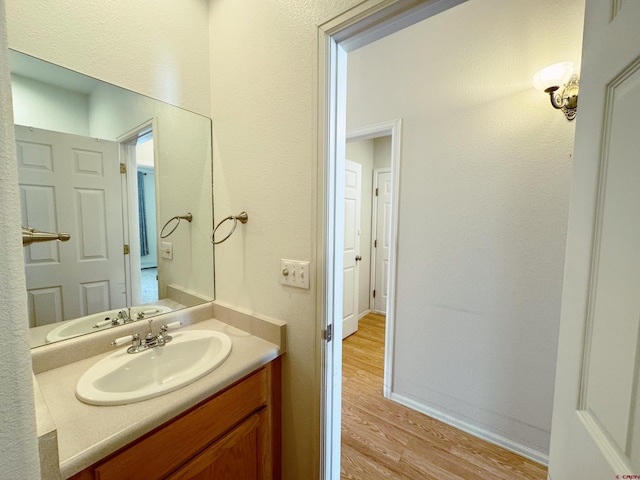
[[384, 440]]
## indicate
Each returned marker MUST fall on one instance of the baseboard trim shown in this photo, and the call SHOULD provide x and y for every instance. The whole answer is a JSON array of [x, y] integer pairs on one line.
[[364, 314], [474, 430]]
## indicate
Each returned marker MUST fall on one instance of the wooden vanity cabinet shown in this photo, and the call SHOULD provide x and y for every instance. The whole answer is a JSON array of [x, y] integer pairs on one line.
[[234, 435]]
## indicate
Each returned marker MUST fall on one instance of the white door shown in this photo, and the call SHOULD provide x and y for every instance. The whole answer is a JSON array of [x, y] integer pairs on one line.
[[352, 189], [70, 183], [596, 416], [382, 238]]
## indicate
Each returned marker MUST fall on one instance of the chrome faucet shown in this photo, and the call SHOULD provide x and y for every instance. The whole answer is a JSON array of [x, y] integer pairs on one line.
[[125, 316], [150, 340]]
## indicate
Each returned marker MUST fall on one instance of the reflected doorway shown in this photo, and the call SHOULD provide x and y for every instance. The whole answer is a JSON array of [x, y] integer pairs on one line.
[[139, 187], [147, 218]]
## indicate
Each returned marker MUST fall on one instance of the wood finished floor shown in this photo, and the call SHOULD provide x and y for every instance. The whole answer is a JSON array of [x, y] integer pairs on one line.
[[384, 440]]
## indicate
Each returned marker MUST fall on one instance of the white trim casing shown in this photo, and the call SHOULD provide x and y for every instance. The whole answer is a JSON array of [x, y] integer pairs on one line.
[[474, 430]]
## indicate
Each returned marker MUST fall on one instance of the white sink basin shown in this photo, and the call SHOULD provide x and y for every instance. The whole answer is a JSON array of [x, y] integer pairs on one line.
[[87, 324], [123, 377]]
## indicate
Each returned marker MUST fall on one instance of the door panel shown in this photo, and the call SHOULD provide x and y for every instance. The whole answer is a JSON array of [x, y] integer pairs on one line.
[[383, 237], [353, 176], [595, 433], [70, 183]]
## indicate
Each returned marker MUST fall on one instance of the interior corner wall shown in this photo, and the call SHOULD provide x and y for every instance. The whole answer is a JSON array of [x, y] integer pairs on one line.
[[484, 190], [363, 152], [158, 49], [18, 438], [382, 152]]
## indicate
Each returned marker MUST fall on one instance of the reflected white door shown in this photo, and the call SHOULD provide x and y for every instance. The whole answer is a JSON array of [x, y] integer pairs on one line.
[[381, 242], [352, 192], [596, 417], [70, 183]]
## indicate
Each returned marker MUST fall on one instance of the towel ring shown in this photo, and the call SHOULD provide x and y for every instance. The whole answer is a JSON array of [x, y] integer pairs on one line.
[[243, 217], [188, 217]]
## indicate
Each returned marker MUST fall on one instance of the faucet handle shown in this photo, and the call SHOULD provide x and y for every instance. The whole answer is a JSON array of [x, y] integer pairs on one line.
[[172, 325], [118, 342]]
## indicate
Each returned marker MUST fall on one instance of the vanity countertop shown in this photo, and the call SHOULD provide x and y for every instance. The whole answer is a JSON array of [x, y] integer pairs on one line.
[[88, 433]]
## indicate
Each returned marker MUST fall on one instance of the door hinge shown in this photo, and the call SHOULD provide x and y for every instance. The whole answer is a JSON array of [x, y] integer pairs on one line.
[[126, 249], [375, 243], [374, 294], [123, 168], [328, 333], [376, 191]]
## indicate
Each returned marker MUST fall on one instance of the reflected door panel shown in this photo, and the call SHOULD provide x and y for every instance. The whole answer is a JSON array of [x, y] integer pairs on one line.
[[70, 183]]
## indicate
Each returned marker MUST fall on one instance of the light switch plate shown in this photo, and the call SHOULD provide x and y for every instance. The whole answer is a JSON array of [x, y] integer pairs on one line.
[[295, 273], [166, 250]]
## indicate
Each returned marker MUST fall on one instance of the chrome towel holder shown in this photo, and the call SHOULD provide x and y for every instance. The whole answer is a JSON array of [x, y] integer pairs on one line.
[[243, 218], [188, 217]]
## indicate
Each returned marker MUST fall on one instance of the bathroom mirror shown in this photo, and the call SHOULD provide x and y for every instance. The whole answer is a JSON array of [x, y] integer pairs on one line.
[[110, 167]]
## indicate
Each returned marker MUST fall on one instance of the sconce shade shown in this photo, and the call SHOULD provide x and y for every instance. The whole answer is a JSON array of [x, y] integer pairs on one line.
[[555, 75]]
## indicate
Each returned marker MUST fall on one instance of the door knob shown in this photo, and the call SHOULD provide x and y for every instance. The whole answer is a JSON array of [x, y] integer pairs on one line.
[[358, 258]]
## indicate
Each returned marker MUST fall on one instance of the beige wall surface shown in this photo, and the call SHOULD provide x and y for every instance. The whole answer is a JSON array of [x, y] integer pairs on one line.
[[157, 48], [485, 178], [264, 109]]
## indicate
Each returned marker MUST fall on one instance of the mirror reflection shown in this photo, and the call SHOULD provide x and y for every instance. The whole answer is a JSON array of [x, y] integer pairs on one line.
[[109, 167]]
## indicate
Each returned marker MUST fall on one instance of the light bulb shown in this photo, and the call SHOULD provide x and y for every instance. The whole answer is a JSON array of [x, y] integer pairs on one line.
[[554, 75]]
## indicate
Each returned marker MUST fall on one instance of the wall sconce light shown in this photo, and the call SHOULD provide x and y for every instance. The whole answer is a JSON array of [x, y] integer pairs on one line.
[[561, 84]]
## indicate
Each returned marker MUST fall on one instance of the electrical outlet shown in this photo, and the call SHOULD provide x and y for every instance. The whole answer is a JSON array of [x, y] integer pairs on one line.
[[295, 273], [166, 250]]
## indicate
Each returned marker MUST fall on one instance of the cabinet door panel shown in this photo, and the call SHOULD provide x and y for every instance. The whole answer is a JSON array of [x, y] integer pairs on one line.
[[235, 456], [184, 437]]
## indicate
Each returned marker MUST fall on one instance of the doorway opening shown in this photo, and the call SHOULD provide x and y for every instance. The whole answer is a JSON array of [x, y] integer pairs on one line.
[[137, 148], [367, 228], [377, 149], [354, 29]]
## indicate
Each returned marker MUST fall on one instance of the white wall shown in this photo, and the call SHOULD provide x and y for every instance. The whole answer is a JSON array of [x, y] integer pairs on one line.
[[382, 152], [18, 433], [158, 48], [483, 208], [38, 104], [264, 109]]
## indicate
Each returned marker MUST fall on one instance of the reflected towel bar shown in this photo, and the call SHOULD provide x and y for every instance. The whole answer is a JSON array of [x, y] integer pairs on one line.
[[188, 217], [31, 235]]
